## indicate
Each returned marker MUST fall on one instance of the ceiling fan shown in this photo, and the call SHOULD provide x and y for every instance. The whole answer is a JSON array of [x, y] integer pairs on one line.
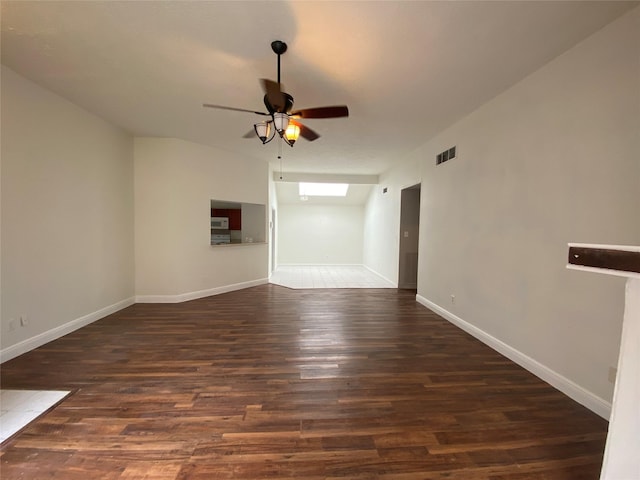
[[279, 106]]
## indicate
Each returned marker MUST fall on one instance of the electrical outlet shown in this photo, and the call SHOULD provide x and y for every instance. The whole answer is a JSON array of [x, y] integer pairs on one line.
[[24, 321], [613, 372], [453, 299]]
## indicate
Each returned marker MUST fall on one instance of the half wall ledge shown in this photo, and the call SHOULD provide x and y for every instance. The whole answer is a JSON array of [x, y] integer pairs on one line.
[[618, 260], [621, 459]]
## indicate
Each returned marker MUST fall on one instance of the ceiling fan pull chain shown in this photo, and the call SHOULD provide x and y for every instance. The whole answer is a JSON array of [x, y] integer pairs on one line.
[[280, 158]]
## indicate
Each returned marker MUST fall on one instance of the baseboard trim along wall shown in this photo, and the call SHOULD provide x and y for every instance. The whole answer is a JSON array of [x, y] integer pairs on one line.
[[184, 297], [566, 386], [390, 282], [60, 331]]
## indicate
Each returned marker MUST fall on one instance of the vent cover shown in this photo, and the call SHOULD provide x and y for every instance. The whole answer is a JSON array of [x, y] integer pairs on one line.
[[448, 154]]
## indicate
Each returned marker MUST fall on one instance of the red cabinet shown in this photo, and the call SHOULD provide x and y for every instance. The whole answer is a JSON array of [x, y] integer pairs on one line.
[[233, 214]]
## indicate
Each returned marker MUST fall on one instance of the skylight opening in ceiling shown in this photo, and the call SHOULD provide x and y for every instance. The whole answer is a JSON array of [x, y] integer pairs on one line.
[[323, 189]]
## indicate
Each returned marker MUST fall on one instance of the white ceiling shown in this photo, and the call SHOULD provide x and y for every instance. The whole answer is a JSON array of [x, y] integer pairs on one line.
[[407, 70]]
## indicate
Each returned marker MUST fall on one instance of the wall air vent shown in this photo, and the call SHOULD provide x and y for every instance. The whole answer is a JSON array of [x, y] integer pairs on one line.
[[448, 154]]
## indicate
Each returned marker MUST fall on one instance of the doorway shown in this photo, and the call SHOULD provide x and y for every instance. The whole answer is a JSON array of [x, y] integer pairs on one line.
[[409, 228], [273, 240]]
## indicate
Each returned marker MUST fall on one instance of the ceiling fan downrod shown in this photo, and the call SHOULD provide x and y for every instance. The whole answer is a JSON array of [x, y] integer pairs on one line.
[[278, 47]]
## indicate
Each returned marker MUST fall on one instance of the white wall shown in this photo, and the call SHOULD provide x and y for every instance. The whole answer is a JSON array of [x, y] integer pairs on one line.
[[320, 234], [623, 440], [382, 219], [175, 181], [254, 222], [554, 159], [272, 231], [67, 216]]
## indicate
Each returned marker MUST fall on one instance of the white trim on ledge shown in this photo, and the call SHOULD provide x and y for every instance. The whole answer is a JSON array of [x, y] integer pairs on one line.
[[239, 244], [566, 386], [605, 271], [184, 297], [60, 331]]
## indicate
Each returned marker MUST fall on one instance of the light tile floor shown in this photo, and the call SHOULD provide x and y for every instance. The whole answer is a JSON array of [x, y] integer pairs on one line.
[[327, 276], [19, 407]]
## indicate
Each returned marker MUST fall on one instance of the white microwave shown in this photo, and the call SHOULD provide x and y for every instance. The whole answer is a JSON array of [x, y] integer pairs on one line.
[[220, 223]]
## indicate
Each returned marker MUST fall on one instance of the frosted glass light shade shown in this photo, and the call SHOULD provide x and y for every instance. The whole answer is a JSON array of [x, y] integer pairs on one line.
[[263, 129], [280, 122]]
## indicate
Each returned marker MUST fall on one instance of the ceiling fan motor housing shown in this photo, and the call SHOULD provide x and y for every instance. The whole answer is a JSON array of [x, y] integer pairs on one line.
[[287, 101]]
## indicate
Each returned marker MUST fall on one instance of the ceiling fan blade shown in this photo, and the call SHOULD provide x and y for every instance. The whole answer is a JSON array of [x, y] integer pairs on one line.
[[306, 132], [274, 93], [323, 112], [222, 107]]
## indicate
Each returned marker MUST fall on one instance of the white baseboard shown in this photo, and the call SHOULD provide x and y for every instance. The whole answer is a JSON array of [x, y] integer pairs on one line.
[[60, 331], [184, 297], [566, 386], [381, 276]]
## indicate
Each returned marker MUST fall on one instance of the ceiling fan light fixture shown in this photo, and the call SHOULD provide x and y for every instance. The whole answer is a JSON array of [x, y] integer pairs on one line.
[[280, 122], [263, 131], [292, 133], [279, 105]]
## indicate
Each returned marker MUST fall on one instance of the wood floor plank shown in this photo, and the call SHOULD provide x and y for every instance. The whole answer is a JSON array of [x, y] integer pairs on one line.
[[273, 383]]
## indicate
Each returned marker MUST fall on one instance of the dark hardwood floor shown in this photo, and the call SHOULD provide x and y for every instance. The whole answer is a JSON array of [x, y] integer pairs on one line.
[[272, 383]]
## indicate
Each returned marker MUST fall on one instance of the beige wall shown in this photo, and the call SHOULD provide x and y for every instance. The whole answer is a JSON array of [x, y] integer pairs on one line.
[[67, 215], [555, 159], [273, 221], [382, 219], [69, 256], [320, 234], [175, 181]]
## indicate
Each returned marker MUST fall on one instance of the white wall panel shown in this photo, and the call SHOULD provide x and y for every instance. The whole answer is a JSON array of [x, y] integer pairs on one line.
[[175, 181], [552, 160], [67, 213], [320, 234]]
